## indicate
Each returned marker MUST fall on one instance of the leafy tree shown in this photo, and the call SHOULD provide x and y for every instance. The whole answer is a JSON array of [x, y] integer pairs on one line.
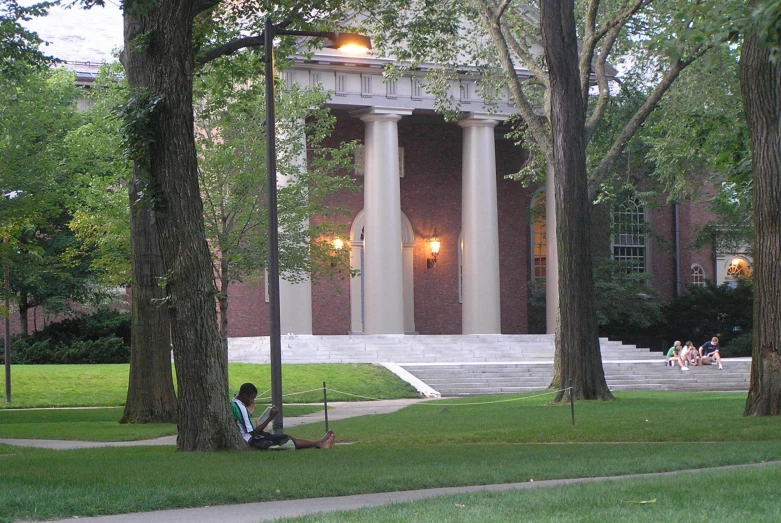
[[115, 222], [232, 150], [164, 39], [37, 109], [760, 74], [19, 47]]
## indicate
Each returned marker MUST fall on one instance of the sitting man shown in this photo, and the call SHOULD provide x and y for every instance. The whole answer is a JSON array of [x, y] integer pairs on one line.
[[242, 407], [710, 351]]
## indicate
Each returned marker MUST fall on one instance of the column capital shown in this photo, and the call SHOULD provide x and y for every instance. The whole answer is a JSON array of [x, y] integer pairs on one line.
[[478, 120], [381, 114]]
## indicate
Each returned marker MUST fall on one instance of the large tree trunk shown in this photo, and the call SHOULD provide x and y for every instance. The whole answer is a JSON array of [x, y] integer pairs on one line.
[[158, 60], [150, 394], [761, 88], [579, 362], [24, 308]]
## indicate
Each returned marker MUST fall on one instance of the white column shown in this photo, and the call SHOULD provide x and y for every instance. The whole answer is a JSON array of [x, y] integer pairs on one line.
[[295, 299], [481, 312], [383, 276], [551, 254]]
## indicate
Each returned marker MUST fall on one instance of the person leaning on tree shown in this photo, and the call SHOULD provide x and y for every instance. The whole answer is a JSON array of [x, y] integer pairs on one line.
[[242, 407]]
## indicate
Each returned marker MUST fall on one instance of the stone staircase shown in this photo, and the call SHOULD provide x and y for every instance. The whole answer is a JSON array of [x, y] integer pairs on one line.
[[458, 365], [418, 349], [472, 379]]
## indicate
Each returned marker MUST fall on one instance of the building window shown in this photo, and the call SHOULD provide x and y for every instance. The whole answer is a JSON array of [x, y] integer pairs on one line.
[[629, 238], [698, 275], [738, 268], [539, 247]]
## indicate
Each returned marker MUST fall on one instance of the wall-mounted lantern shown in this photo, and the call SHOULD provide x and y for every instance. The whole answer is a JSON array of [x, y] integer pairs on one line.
[[434, 244]]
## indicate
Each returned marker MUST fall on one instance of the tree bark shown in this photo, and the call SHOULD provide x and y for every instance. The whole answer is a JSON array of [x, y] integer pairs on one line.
[[761, 91], [158, 60], [577, 345], [23, 310], [150, 394]]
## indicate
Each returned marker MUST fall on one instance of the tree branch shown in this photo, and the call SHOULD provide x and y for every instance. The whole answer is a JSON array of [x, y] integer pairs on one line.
[[524, 53], [609, 160], [500, 9], [525, 108], [601, 75], [594, 35], [229, 48]]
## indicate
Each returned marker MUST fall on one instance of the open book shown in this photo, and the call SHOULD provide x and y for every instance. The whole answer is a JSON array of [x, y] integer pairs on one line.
[[263, 417]]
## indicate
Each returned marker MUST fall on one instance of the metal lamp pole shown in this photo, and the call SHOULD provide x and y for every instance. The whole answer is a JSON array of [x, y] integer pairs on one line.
[[335, 40], [7, 349], [275, 336]]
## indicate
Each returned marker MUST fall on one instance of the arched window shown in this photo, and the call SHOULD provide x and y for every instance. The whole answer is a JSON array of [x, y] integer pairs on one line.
[[629, 238], [698, 275], [539, 246], [738, 268]]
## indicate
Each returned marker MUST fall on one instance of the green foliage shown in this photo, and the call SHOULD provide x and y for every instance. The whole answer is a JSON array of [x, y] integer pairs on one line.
[[704, 312], [136, 114], [625, 300], [232, 147], [624, 297], [19, 47], [109, 349], [100, 172], [103, 337]]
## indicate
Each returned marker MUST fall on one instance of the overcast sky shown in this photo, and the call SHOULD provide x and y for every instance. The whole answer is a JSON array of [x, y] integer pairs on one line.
[[78, 35]]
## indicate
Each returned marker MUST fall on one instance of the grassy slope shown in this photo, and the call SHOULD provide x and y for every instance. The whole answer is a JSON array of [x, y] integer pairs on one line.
[[106, 385]]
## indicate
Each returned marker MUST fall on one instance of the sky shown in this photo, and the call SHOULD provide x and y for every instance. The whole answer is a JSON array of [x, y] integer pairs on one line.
[[78, 35]]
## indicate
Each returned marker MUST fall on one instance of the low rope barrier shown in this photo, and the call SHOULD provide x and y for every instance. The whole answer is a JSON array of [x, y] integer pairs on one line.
[[433, 403]]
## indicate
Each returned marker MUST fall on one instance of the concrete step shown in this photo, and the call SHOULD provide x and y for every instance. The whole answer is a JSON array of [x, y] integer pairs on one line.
[[463, 379]]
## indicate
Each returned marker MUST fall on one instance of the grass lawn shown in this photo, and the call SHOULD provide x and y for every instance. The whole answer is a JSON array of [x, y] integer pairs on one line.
[[744, 495], [106, 385], [419, 447]]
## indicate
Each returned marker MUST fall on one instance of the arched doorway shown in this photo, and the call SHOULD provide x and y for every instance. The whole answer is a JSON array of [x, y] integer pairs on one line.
[[357, 263]]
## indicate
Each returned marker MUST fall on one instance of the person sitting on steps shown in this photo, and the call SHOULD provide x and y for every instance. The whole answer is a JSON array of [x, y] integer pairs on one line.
[[674, 354], [710, 351], [689, 355], [242, 407]]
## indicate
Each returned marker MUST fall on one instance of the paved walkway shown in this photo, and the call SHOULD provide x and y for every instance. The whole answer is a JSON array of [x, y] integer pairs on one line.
[[337, 410], [253, 512]]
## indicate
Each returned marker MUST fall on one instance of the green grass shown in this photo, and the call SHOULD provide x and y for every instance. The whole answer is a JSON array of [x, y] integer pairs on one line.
[[743, 495], [636, 416], [418, 447], [106, 385], [101, 424]]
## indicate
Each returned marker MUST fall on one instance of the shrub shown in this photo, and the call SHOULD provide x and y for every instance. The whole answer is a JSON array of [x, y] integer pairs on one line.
[[704, 312], [103, 337], [738, 347]]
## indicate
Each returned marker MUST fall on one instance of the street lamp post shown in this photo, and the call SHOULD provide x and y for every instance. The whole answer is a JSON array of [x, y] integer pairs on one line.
[[334, 40]]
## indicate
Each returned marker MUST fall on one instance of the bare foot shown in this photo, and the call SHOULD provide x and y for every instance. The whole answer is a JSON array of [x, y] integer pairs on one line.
[[328, 443]]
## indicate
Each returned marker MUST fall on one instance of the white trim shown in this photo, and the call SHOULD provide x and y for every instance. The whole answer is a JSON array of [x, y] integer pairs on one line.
[[423, 389]]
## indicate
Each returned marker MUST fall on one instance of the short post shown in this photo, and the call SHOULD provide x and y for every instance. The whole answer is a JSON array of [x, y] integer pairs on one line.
[[572, 402], [325, 406]]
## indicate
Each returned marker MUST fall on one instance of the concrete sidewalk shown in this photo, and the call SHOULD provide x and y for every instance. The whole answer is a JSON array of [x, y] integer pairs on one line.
[[338, 410], [253, 512]]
